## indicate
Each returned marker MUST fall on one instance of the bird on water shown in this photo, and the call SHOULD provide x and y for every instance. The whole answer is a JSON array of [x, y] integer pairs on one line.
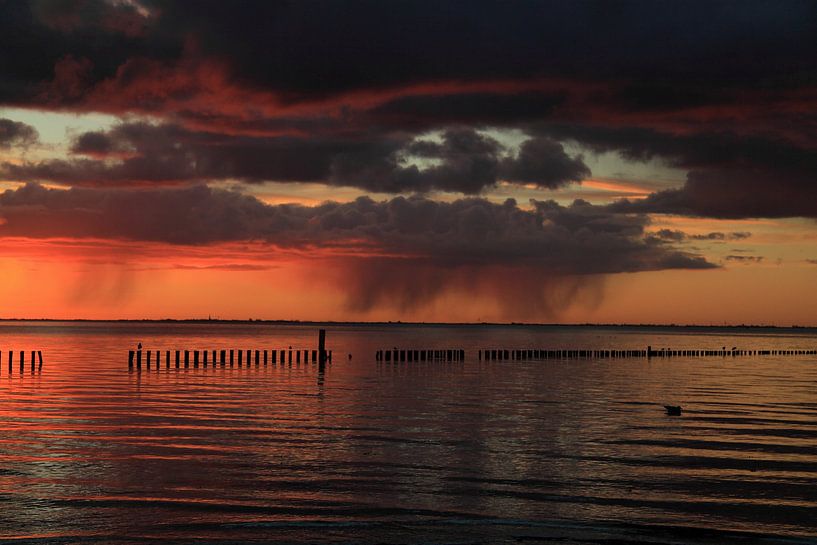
[[673, 410]]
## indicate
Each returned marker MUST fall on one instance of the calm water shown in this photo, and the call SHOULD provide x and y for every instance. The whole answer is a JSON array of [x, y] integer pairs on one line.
[[472, 452]]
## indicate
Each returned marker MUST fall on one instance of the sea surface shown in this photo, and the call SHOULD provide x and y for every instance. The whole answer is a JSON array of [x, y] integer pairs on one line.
[[557, 451]]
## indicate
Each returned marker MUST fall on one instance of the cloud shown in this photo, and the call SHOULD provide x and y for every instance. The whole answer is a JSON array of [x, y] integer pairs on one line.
[[745, 258], [670, 235], [573, 240], [14, 133], [404, 253], [466, 161], [720, 90]]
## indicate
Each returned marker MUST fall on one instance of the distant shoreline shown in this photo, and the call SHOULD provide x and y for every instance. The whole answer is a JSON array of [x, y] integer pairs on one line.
[[203, 321]]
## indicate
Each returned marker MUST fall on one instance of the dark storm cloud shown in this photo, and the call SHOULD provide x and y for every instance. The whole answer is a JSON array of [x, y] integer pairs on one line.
[[421, 112], [335, 92], [734, 194], [14, 133], [319, 47], [729, 175], [313, 48], [578, 239], [745, 258], [671, 235], [52, 52], [466, 161]]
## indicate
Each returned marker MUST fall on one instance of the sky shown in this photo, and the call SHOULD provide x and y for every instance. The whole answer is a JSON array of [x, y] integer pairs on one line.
[[549, 162]]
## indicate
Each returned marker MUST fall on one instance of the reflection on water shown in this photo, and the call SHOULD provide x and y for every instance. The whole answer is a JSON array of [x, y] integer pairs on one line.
[[368, 452]]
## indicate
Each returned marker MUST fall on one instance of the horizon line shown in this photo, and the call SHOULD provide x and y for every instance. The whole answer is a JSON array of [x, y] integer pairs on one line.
[[400, 322]]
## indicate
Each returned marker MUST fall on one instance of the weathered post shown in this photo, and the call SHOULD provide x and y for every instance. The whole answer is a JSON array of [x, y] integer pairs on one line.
[[32, 361], [167, 359], [138, 360], [321, 348], [130, 359], [196, 359], [39, 360], [177, 359], [149, 353]]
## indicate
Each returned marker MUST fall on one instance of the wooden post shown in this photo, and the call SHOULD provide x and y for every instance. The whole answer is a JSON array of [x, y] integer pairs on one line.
[[167, 359], [32, 361], [149, 353], [138, 360], [186, 359], [11, 360], [240, 357], [22, 361], [265, 358], [204, 358], [39, 360], [177, 359], [321, 348], [273, 356], [258, 357], [223, 357], [196, 359], [130, 359], [232, 356]]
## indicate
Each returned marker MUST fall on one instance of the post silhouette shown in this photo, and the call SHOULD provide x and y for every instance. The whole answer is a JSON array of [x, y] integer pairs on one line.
[[321, 348]]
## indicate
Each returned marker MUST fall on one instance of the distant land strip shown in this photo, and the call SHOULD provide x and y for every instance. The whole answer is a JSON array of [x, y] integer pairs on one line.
[[253, 321]]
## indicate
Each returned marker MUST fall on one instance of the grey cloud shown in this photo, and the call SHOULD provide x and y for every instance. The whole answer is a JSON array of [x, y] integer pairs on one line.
[[577, 239], [745, 258], [15, 133], [466, 161], [670, 235]]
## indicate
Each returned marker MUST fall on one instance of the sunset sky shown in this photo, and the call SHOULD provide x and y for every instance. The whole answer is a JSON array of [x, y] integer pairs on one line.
[[582, 161]]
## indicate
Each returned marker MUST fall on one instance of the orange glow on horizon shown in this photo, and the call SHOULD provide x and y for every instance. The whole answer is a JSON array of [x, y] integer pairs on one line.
[[117, 279]]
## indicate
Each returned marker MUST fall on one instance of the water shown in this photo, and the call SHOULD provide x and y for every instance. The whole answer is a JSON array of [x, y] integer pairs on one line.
[[472, 452]]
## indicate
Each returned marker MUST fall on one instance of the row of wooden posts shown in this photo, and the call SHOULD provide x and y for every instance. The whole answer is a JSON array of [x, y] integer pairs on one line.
[[36, 360], [220, 357], [444, 354], [196, 358], [542, 354]]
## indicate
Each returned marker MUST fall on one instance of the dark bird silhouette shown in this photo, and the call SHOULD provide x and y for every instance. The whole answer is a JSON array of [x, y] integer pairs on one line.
[[673, 410]]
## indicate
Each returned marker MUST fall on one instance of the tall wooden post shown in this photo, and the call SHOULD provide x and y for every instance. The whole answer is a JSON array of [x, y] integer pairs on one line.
[[322, 348]]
